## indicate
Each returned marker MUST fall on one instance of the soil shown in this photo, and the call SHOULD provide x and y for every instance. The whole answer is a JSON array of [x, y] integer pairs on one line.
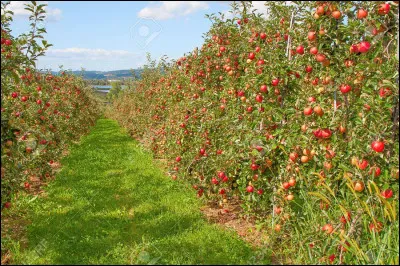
[[230, 217]]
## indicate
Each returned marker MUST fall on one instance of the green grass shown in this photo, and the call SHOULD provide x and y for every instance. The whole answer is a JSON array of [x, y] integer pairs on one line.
[[110, 205]]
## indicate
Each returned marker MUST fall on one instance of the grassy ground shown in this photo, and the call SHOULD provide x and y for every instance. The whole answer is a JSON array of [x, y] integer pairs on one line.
[[110, 205]]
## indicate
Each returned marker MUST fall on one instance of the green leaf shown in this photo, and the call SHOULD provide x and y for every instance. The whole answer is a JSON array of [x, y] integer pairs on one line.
[[15, 77]]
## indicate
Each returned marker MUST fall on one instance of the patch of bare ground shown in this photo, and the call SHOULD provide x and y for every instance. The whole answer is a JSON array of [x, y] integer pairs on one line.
[[162, 164], [229, 216], [6, 258]]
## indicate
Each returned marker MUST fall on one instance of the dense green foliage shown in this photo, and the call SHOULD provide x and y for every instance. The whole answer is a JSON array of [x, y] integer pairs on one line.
[[297, 114], [40, 113]]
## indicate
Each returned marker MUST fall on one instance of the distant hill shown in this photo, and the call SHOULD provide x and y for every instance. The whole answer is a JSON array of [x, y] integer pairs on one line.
[[106, 75]]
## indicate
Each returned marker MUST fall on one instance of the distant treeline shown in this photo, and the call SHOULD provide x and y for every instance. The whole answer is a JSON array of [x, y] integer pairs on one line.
[[104, 76]]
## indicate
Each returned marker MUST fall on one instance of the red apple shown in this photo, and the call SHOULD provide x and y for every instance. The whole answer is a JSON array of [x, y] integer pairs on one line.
[[275, 82], [264, 88], [384, 9], [320, 57], [314, 50], [388, 193], [312, 35], [364, 47], [293, 156], [300, 49], [362, 13], [308, 111], [250, 189], [378, 146], [345, 88]]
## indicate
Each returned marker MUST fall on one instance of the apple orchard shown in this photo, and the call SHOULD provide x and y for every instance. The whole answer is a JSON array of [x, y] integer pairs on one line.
[[296, 115], [293, 114], [40, 113]]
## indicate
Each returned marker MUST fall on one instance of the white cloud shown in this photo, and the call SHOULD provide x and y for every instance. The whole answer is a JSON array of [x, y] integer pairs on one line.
[[259, 5], [18, 7], [228, 14], [259, 8], [167, 10], [88, 53], [92, 59]]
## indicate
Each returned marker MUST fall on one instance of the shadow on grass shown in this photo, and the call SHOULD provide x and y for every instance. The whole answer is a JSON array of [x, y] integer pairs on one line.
[[110, 205]]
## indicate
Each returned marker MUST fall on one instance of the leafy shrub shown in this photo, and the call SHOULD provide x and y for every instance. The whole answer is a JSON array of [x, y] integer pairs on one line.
[[40, 113]]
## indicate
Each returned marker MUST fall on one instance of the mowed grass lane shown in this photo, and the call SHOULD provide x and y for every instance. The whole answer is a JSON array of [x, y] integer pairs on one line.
[[111, 205]]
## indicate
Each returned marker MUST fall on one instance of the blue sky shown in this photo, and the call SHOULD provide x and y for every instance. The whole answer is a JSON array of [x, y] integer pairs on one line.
[[115, 35]]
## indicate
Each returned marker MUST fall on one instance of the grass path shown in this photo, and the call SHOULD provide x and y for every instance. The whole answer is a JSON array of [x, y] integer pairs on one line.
[[110, 205]]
